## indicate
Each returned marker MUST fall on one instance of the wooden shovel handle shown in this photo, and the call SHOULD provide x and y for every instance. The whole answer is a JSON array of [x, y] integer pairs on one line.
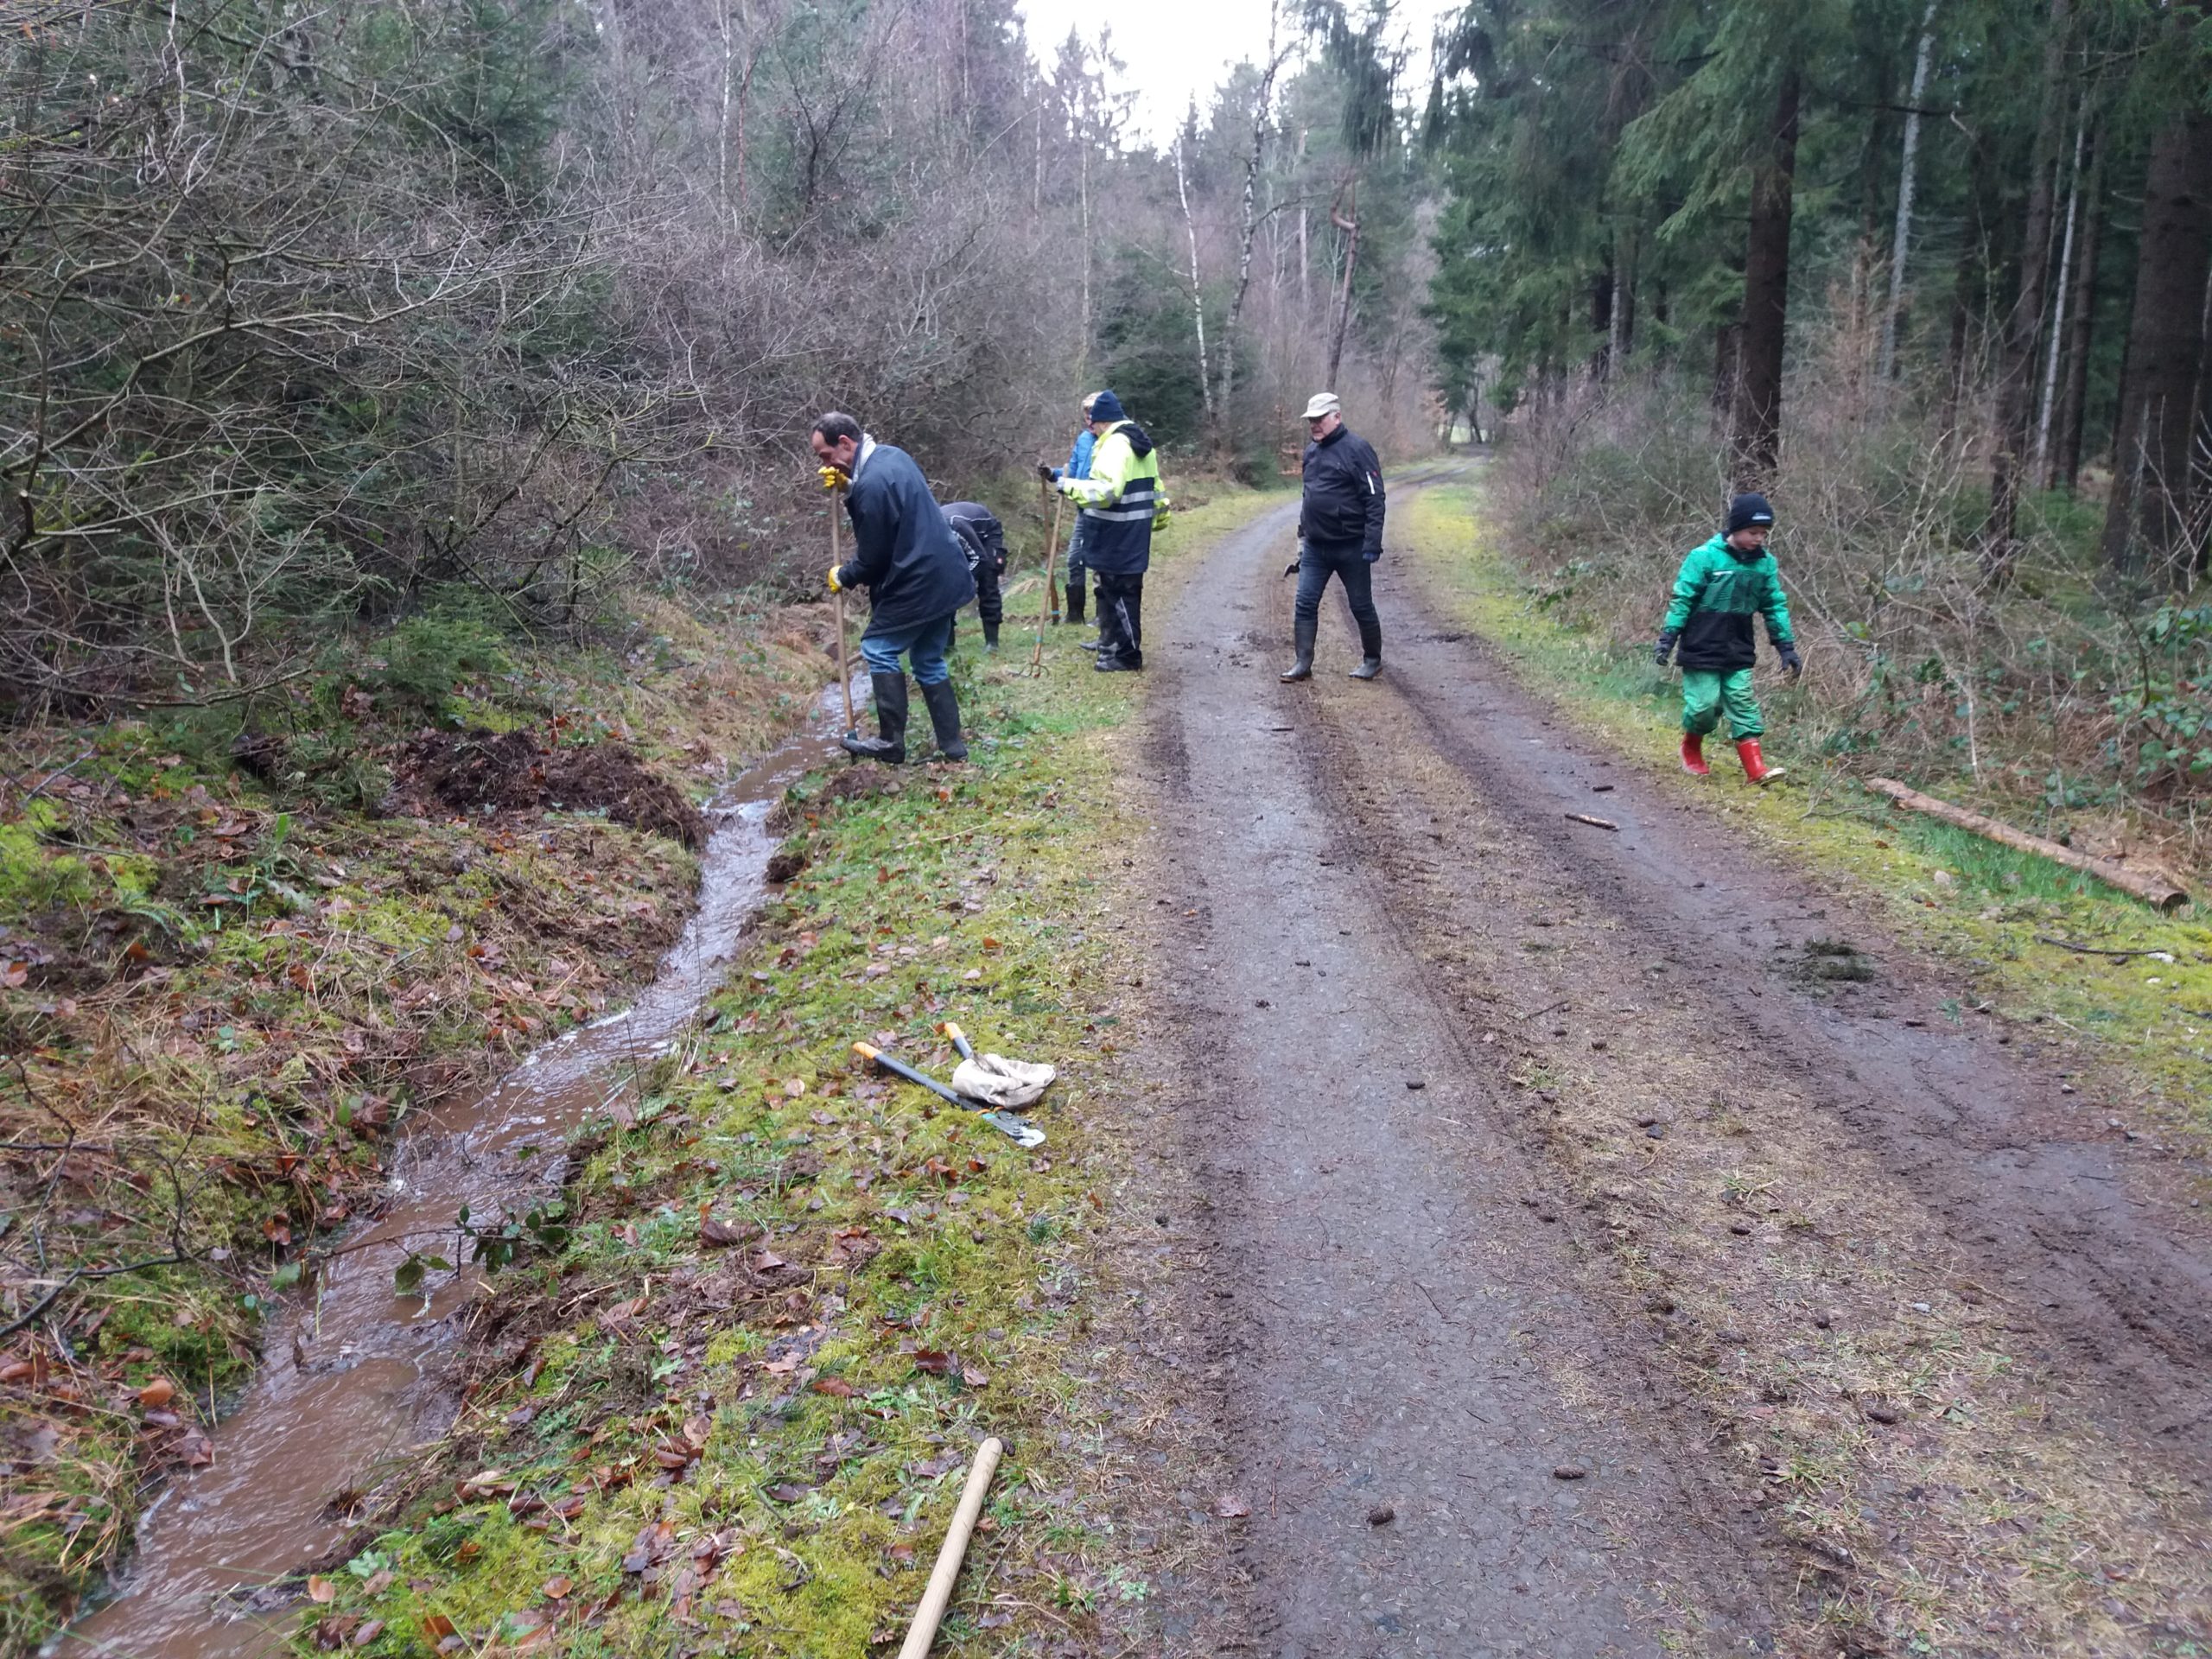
[[946, 1572]]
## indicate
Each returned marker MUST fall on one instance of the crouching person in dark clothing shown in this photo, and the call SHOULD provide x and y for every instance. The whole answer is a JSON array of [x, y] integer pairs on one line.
[[1339, 535], [910, 562], [982, 539], [1122, 504]]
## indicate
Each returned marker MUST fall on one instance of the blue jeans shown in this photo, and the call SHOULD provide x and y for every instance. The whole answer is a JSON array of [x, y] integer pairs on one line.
[[925, 644], [1316, 565]]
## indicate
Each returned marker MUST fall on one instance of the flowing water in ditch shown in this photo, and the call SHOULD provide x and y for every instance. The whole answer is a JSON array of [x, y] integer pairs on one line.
[[355, 1377]]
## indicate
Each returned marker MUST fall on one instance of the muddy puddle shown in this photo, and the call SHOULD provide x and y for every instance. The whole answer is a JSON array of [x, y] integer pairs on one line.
[[355, 1376]]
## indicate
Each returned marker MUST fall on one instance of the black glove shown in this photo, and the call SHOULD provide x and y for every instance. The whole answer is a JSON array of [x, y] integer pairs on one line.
[[1045, 472], [1790, 659], [1664, 650]]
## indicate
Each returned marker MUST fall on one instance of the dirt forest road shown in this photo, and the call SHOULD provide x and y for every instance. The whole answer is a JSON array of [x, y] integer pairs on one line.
[[1668, 1295]]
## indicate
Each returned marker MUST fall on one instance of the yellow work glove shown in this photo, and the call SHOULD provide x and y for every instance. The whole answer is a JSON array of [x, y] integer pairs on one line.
[[836, 586], [833, 478]]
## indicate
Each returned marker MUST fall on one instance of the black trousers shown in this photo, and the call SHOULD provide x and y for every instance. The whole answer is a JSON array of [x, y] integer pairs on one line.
[[1077, 536], [1316, 565], [1120, 618], [990, 601]]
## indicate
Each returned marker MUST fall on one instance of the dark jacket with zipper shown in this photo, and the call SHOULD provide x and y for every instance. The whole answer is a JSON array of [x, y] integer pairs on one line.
[[1343, 508], [904, 553]]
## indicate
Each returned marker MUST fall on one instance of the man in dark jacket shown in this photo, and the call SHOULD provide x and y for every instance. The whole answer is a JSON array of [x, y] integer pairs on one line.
[[982, 539], [1340, 534], [910, 562]]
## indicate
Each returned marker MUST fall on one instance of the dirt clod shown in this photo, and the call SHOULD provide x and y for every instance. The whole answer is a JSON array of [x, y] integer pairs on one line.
[[1381, 1515], [1570, 1472], [518, 771]]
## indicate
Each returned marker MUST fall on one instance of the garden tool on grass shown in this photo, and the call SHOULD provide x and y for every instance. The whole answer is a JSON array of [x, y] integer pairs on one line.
[[993, 1078], [1020, 1130]]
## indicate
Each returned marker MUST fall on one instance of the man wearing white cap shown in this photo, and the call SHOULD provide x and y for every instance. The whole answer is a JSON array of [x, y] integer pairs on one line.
[[1340, 534]]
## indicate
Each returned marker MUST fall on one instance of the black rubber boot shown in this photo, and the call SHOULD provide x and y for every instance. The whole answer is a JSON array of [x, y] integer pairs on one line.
[[1370, 648], [990, 636], [889, 746], [944, 719], [1302, 632]]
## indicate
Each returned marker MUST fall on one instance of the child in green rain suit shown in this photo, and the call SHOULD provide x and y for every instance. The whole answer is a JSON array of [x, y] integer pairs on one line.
[[1720, 585]]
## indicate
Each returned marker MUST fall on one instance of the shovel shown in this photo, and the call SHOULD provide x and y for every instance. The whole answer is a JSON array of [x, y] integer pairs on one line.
[[1020, 1130], [993, 1078], [844, 668]]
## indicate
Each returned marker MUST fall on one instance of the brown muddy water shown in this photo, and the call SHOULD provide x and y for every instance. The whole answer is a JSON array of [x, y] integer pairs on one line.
[[356, 1379]]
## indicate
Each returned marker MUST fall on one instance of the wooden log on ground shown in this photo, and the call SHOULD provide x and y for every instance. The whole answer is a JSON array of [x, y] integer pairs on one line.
[[2151, 889]]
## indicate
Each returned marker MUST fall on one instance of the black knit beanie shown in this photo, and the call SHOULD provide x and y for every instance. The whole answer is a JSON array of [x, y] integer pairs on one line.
[[1747, 511]]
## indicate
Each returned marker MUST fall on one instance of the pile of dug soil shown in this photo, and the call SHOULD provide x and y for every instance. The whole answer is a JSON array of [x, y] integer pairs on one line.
[[468, 771]]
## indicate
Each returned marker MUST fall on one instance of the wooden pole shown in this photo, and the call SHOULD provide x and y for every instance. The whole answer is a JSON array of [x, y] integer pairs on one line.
[[938, 1595], [2151, 889], [844, 668], [1051, 603]]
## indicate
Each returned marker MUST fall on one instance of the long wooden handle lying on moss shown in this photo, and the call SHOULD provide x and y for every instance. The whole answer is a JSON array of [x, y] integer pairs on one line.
[[2151, 889], [938, 1596]]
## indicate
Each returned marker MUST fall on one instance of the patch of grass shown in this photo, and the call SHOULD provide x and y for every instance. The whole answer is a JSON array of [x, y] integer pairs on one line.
[[1988, 908], [755, 1446]]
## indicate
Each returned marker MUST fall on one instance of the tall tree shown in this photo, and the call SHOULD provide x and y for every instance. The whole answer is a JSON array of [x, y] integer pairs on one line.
[[1758, 422], [2148, 519], [2024, 322]]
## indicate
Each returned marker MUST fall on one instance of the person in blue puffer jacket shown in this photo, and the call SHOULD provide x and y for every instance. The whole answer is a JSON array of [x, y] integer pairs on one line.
[[1078, 467]]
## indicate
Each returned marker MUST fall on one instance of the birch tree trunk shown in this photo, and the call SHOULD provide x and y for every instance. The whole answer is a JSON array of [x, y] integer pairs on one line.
[[2023, 322], [2062, 290], [1260, 105], [1908, 175], [2074, 394], [1198, 293]]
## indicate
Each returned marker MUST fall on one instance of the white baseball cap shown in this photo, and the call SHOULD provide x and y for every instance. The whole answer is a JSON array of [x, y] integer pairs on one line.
[[1324, 403]]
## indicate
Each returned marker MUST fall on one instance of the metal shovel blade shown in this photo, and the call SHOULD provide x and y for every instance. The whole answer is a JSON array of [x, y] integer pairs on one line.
[[1020, 1129]]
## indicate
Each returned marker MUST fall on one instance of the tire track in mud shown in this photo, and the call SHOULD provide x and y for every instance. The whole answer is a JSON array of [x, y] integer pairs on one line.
[[1909, 1292], [1445, 1446]]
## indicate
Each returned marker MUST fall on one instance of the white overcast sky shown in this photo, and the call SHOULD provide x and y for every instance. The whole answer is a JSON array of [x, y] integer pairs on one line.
[[1176, 49]]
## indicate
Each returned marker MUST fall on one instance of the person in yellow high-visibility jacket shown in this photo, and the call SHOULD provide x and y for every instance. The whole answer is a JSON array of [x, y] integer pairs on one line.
[[1122, 503]]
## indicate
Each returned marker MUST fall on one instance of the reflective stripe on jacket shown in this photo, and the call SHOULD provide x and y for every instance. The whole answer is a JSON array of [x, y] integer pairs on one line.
[[1120, 500]]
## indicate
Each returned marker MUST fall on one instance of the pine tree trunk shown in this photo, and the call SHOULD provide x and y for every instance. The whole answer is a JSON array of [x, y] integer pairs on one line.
[[2081, 323], [1757, 427], [1601, 322], [2024, 322], [2147, 517]]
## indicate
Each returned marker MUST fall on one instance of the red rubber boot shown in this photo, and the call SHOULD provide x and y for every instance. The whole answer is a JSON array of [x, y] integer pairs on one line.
[[1755, 770], [1693, 756]]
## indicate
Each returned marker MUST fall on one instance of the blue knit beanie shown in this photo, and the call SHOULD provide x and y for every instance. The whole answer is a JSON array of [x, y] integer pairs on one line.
[[1107, 407], [1747, 511]]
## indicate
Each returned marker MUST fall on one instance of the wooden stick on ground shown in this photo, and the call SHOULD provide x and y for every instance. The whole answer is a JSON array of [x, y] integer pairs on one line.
[[2151, 889], [1595, 824], [938, 1595]]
